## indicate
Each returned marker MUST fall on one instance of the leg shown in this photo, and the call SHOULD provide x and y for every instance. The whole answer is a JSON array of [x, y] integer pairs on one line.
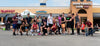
[[68, 30], [72, 30], [21, 31], [59, 30], [26, 31], [14, 28], [78, 31]]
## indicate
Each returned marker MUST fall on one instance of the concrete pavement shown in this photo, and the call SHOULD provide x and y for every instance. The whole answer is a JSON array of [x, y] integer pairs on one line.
[[7, 39]]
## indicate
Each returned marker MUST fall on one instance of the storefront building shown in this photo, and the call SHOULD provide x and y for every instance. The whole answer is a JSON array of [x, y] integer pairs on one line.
[[84, 8]]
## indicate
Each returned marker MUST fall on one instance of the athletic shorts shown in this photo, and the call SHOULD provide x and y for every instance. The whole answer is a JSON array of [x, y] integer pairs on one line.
[[83, 30], [14, 26], [63, 25], [18, 26], [68, 25], [35, 30], [50, 25]]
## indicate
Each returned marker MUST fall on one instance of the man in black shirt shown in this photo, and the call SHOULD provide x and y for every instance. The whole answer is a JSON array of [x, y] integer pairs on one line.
[[28, 19]]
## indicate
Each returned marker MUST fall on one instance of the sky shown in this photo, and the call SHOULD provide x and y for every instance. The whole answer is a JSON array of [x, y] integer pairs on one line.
[[37, 2]]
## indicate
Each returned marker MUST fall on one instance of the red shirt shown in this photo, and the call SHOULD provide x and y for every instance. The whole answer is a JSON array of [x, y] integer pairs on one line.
[[35, 26], [82, 26], [89, 24], [54, 27], [15, 17]]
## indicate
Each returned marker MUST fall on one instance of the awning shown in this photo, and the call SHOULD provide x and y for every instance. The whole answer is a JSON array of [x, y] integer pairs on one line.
[[3, 15], [9, 15], [46, 15]]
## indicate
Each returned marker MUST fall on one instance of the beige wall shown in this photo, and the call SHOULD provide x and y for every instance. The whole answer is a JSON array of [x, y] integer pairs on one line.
[[89, 14], [34, 9]]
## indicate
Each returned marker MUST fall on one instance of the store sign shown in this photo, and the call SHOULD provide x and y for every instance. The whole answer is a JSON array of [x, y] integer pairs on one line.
[[9, 11], [79, 6], [41, 11], [86, 7], [82, 3]]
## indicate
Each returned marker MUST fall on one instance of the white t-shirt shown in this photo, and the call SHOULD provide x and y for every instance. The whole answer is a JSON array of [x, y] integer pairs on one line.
[[50, 20], [19, 20]]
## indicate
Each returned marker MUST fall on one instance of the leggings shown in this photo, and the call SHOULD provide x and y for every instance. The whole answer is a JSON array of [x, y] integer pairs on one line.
[[78, 30]]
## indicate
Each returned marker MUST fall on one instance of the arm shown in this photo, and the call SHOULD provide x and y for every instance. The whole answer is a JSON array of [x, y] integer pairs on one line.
[[20, 28], [71, 18], [32, 27], [13, 19], [37, 27], [79, 19]]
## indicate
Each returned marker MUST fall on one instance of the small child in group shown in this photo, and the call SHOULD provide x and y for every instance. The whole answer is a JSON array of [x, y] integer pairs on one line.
[[82, 28], [34, 29], [86, 30]]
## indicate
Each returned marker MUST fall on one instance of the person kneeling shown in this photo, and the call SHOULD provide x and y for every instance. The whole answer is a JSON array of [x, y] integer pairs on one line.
[[23, 28], [54, 28], [34, 29], [44, 29]]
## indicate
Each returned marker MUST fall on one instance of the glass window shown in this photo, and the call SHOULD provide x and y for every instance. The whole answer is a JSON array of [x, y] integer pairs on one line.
[[81, 0], [74, 0], [88, 0]]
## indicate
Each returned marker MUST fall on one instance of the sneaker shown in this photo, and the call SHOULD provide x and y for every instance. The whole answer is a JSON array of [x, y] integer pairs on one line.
[[39, 34], [27, 34], [35, 34], [32, 34], [14, 34], [72, 34]]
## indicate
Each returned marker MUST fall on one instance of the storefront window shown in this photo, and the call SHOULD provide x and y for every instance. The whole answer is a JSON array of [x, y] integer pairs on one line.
[[81, 0], [74, 0], [88, 0]]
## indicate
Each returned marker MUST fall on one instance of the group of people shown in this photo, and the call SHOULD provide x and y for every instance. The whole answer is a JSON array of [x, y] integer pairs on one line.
[[51, 25]]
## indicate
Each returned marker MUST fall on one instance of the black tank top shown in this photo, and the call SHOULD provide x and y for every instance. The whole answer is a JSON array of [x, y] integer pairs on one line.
[[62, 19]]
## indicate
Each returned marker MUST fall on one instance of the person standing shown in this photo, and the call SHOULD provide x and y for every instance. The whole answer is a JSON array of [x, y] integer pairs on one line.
[[77, 19], [7, 24], [63, 24], [15, 20], [20, 19], [28, 19], [78, 28], [39, 22], [58, 25], [68, 19], [50, 23], [59, 19], [72, 24]]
